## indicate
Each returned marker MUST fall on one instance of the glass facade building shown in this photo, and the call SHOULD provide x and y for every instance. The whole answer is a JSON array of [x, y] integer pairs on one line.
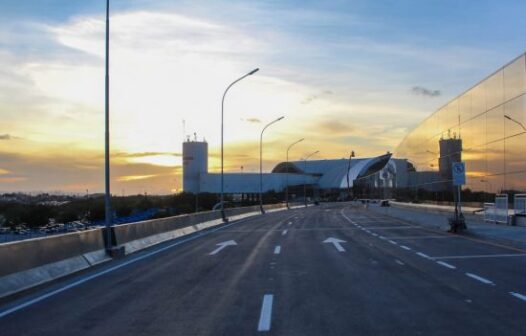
[[485, 127]]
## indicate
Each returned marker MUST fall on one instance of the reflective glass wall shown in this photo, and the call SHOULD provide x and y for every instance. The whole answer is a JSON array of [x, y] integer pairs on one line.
[[490, 118]]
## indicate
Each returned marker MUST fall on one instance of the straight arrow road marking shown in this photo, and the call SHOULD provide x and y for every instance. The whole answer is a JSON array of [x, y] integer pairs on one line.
[[222, 246], [336, 242]]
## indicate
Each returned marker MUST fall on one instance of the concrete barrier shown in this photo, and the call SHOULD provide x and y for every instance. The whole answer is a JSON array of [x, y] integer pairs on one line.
[[28, 263]]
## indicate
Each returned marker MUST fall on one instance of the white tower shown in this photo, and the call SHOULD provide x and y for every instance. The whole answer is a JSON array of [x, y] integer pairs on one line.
[[195, 162]]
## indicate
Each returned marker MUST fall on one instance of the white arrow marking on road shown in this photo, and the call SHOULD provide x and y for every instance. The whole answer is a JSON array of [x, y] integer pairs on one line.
[[222, 246], [336, 242]]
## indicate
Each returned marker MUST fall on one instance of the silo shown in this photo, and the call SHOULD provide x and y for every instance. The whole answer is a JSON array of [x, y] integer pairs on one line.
[[195, 162]]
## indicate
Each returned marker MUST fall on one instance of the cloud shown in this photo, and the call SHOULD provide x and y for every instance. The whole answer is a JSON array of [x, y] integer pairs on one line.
[[134, 177], [75, 172], [309, 99], [144, 154], [334, 127], [422, 91], [253, 120]]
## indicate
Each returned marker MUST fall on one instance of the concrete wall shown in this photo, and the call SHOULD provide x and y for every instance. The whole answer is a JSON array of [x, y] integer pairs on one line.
[[28, 263], [22, 255]]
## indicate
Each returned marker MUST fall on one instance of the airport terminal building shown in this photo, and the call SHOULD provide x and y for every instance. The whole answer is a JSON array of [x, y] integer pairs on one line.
[[325, 176]]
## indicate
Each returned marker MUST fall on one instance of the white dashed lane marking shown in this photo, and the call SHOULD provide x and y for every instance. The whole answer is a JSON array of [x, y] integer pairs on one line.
[[480, 279], [445, 264], [265, 316], [423, 255], [277, 250], [519, 296]]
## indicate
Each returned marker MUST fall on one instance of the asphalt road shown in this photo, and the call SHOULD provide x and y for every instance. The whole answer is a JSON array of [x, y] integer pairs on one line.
[[326, 270]]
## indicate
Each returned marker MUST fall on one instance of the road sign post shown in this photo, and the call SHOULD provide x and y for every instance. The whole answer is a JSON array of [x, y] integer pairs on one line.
[[459, 179]]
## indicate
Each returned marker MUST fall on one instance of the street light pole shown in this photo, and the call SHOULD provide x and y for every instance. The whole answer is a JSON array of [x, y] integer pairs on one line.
[[107, 195], [261, 163], [515, 121], [287, 173], [304, 179], [222, 152], [348, 170]]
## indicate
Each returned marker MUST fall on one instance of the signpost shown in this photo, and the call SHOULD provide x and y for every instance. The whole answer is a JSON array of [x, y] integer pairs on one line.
[[459, 179]]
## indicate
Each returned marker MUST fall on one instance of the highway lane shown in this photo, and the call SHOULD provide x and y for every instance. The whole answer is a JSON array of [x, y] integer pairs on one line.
[[379, 277]]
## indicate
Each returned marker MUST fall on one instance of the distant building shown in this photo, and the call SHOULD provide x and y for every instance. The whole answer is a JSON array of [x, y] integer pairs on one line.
[[322, 175]]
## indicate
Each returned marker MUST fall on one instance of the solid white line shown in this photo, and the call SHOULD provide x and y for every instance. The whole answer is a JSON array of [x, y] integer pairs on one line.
[[277, 249], [423, 255], [393, 242], [519, 296], [114, 268], [405, 247], [481, 279], [445, 264], [265, 316], [284, 232]]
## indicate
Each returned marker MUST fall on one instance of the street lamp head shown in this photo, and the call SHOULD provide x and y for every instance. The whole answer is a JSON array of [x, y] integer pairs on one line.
[[253, 71]]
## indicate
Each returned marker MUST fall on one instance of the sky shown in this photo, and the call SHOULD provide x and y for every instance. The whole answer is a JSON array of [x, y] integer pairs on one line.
[[346, 75]]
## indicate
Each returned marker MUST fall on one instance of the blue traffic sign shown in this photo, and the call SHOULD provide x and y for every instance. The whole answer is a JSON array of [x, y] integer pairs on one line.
[[459, 173]]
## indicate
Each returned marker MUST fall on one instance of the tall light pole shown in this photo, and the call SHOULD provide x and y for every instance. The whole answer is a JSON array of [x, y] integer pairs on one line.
[[222, 153], [348, 170], [261, 163], [107, 195], [304, 178], [287, 173]]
